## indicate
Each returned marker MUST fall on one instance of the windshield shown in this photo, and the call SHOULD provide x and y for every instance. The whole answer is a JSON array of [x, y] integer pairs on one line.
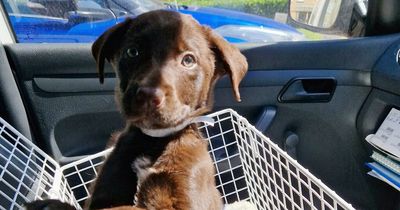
[[238, 21], [150, 4], [133, 7]]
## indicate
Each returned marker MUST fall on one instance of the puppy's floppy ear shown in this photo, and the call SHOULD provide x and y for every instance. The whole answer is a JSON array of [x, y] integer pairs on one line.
[[228, 59], [108, 44]]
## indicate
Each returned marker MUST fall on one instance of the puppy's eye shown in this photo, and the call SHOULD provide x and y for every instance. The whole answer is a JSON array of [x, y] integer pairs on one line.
[[132, 52], [188, 61]]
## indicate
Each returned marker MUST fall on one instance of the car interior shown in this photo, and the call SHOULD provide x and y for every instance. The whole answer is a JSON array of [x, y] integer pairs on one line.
[[329, 95]]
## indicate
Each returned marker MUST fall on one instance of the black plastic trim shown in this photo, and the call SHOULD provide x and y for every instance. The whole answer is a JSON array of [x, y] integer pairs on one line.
[[74, 85], [260, 78], [386, 73], [76, 59], [12, 107]]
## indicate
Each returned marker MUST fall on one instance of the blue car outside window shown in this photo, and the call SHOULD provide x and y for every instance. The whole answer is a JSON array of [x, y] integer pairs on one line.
[[77, 21]]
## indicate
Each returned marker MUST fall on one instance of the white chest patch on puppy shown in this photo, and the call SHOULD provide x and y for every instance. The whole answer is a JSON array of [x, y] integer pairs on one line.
[[142, 166]]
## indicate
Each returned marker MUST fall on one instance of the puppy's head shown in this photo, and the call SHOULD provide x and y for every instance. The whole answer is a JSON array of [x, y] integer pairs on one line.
[[167, 65]]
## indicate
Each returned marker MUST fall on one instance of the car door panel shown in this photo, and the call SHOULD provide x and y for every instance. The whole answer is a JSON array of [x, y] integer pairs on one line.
[[351, 54], [385, 79], [75, 115], [11, 103]]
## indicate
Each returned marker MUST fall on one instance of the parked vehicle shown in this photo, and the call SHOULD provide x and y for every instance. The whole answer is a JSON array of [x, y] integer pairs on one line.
[[65, 21]]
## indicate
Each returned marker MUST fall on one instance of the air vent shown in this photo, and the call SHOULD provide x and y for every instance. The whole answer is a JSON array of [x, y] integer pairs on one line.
[[398, 56]]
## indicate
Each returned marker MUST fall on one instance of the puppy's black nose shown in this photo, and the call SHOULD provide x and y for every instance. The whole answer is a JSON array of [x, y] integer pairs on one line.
[[155, 96]]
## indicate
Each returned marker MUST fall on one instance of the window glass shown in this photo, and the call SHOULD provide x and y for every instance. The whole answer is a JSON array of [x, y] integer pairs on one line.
[[84, 20]]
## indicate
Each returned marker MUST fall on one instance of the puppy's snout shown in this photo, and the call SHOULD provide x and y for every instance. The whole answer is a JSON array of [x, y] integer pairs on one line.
[[155, 96]]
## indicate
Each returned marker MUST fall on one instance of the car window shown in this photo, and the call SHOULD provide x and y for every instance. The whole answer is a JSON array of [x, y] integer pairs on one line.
[[238, 21]]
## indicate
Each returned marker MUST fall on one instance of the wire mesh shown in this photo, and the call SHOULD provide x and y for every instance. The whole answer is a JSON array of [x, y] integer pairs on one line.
[[27, 173], [80, 174], [248, 166]]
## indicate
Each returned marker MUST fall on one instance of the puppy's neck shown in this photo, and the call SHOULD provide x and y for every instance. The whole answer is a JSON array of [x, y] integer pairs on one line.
[[164, 132]]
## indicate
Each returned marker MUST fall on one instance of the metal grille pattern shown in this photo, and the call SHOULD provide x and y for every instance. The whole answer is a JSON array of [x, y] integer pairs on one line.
[[26, 172], [80, 174], [248, 165]]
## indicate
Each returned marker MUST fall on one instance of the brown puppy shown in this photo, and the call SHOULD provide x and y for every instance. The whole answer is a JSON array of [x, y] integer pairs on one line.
[[167, 65]]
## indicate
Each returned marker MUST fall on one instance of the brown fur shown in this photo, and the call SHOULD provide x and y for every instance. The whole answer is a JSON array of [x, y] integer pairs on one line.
[[183, 177], [157, 90]]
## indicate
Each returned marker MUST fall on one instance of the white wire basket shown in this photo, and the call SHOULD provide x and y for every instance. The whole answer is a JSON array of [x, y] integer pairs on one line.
[[249, 167], [27, 173]]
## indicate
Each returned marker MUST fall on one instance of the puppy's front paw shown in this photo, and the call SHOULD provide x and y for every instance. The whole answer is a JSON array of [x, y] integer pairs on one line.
[[49, 204]]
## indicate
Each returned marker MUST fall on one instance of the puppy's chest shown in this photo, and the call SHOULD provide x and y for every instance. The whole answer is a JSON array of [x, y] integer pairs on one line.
[[177, 160]]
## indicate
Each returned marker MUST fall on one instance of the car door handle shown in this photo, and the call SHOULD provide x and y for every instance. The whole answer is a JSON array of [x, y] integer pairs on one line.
[[308, 90]]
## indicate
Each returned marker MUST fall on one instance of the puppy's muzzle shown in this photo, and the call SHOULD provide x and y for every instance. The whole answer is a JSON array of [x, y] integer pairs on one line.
[[151, 95]]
